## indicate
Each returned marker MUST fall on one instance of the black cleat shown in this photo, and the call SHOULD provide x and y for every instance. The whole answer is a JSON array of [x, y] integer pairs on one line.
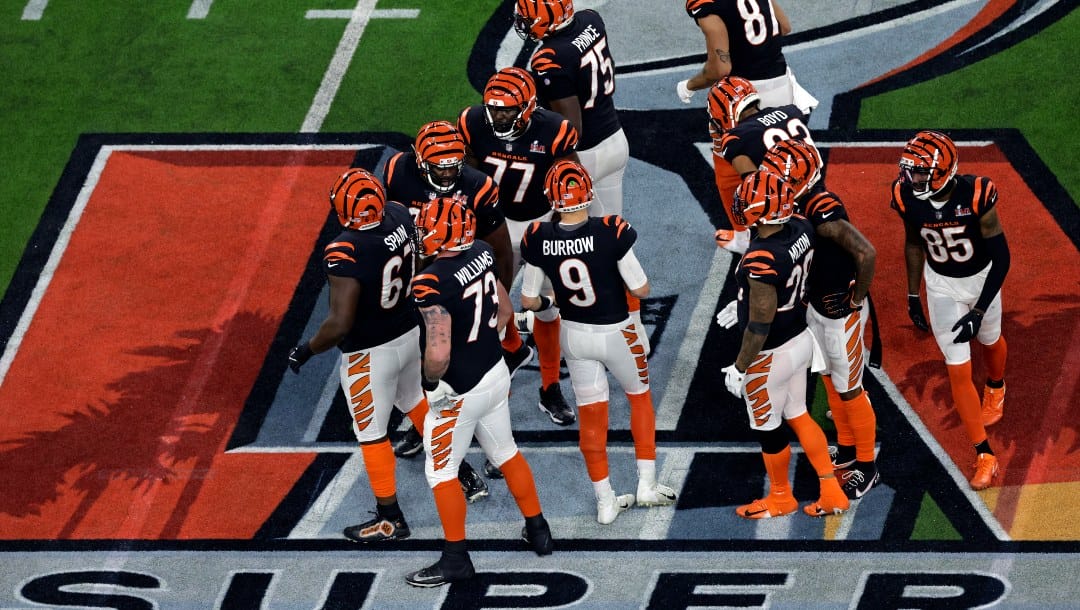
[[444, 571], [553, 403], [538, 535], [378, 529], [856, 482], [492, 471], [842, 456], [516, 360], [471, 483], [410, 444]]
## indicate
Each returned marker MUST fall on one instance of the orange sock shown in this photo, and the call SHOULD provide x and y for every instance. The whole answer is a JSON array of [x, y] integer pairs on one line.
[[776, 466], [379, 462], [512, 341], [863, 426], [995, 358], [417, 415], [632, 302], [546, 335], [643, 425], [592, 438], [813, 443], [844, 435], [450, 502], [522, 485], [967, 402]]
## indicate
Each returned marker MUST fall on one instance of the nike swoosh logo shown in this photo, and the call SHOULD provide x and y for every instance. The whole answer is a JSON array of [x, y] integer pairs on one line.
[[751, 513], [332, 264], [824, 216], [695, 11]]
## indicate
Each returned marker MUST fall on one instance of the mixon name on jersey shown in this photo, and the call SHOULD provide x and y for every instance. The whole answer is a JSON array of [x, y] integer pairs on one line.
[[563, 247]]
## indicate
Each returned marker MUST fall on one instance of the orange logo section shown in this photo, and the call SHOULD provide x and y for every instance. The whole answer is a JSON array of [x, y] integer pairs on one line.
[[360, 400]]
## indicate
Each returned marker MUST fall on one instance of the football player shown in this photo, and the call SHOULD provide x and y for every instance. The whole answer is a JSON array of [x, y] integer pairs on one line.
[[575, 77], [467, 382], [839, 282], [591, 264], [515, 142], [777, 348], [435, 167], [742, 131], [745, 38], [372, 321], [955, 243]]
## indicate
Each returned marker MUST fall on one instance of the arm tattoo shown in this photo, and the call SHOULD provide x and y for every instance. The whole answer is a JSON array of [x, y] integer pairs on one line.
[[723, 55]]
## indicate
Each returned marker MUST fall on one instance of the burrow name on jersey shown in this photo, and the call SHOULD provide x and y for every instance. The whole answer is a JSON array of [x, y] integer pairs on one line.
[[563, 247], [474, 268]]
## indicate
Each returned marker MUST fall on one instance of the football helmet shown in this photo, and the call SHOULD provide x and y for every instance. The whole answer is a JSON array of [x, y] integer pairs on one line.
[[797, 162], [928, 163], [728, 98], [568, 187], [440, 154], [359, 199], [535, 19], [763, 197], [509, 102], [445, 224]]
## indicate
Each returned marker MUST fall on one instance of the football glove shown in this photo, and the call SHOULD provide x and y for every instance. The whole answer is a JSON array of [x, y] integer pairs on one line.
[[838, 305], [684, 91], [968, 326], [914, 311], [734, 379], [298, 356], [441, 398], [729, 315]]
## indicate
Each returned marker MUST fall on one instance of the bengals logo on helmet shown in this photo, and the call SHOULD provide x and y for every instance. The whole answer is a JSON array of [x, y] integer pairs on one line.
[[568, 187], [763, 197], [797, 162], [535, 19], [440, 155], [928, 163], [359, 199], [445, 224], [509, 102], [728, 98]]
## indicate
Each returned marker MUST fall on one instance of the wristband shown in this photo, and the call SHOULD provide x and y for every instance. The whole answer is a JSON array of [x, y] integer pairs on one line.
[[759, 328], [427, 384]]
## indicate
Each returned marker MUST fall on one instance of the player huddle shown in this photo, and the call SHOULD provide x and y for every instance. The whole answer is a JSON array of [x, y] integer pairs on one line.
[[529, 183]]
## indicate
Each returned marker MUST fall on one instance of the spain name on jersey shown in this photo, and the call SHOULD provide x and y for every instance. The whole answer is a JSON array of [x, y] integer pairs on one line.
[[465, 285], [475, 189], [582, 264], [781, 260], [952, 234], [519, 166], [381, 260]]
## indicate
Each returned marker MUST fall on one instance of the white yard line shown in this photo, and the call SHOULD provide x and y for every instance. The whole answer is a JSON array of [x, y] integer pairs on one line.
[[311, 524], [199, 9], [34, 9]]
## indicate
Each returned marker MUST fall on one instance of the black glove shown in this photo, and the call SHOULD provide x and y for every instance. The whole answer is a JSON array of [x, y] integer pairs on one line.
[[298, 356], [968, 326], [838, 305], [914, 311]]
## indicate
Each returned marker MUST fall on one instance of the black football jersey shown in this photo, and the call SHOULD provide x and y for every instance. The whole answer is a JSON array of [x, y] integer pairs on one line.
[[576, 61], [475, 189], [952, 236], [582, 264], [466, 286], [381, 259], [782, 261], [754, 136], [833, 270], [519, 166], [753, 35]]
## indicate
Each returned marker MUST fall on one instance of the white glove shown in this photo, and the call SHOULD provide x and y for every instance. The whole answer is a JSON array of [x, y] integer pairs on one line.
[[441, 398], [729, 315], [734, 379], [684, 92]]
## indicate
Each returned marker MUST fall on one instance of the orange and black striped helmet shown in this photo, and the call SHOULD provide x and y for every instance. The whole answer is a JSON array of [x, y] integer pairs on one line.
[[359, 199], [763, 197], [568, 187], [445, 224], [535, 19], [928, 163], [440, 153], [510, 88], [728, 98], [797, 162]]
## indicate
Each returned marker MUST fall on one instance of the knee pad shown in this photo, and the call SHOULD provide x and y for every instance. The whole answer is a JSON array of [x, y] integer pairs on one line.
[[773, 441]]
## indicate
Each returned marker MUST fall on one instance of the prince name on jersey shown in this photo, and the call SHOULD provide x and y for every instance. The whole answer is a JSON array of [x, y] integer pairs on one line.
[[952, 233], [466, 286], [582, 263], [781, 260], [475, 189], [519, 165], [381, 260]]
